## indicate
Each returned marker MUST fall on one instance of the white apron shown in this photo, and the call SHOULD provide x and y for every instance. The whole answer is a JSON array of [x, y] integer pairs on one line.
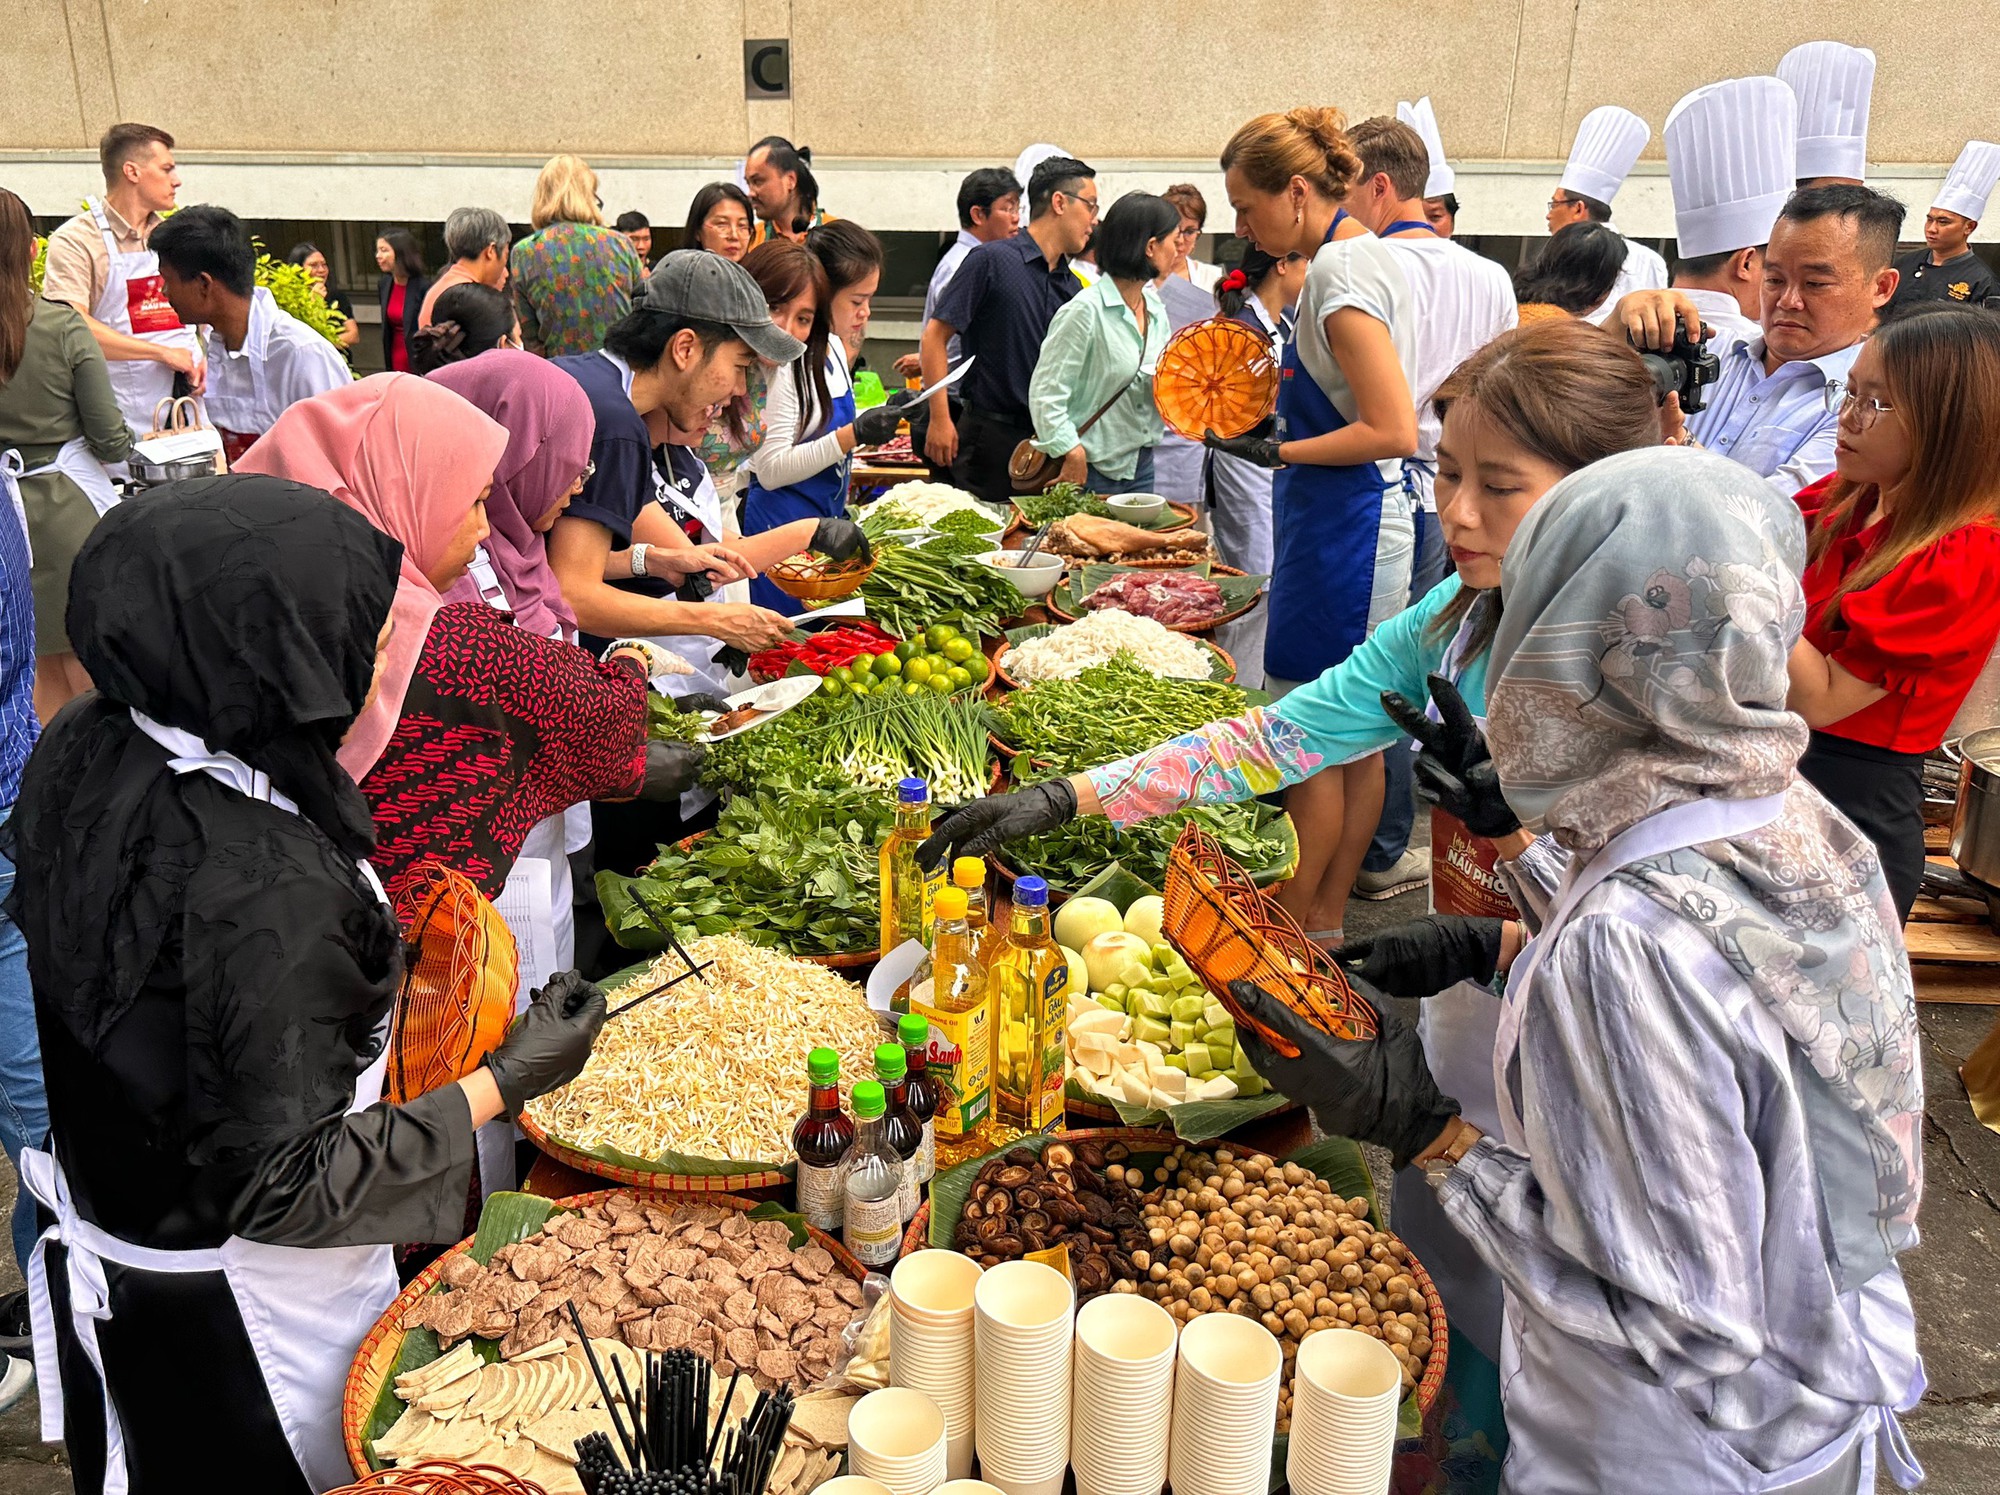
[[305, 1309], [536, 904], [1561, 1398], [132, 302], [74, 461]]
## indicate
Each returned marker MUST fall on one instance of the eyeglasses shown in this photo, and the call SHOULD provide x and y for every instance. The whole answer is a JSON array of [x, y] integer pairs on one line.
[[1186, 231], [1842, 402], [589, 472], [1558, 201], [1086, 202]]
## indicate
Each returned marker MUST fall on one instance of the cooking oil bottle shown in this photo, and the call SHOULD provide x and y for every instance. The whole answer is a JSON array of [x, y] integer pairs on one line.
[[1027, 978], [949, 991], [908, 892], [968, 874]]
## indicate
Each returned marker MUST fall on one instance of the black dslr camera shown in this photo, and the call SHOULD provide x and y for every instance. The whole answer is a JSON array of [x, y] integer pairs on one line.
[[1684, 369]]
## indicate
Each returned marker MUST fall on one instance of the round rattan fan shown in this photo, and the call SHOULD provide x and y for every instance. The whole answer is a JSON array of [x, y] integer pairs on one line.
[[1219, 375], [461, 970]]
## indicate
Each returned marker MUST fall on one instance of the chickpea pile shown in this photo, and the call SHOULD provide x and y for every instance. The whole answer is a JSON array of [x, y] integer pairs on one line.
[[1270, 1240]]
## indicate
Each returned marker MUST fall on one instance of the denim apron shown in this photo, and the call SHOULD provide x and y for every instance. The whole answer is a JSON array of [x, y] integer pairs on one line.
[[821, 496]]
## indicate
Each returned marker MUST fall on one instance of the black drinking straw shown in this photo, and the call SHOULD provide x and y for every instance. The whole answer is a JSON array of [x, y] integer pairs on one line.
[[721, 1416], [639, 1460], [610, 1406]]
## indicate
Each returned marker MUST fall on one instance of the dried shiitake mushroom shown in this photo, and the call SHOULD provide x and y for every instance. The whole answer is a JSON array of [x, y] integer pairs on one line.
[[1022, 1203]]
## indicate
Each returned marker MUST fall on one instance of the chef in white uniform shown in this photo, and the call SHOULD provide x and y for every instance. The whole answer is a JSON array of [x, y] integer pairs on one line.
[[1730, 153], [1423, 119], [1833, 83], [261, 360], [1608, 143]]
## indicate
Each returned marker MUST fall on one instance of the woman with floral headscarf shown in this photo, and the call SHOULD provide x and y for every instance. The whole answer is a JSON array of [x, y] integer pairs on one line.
[[481, 730], [1709, 1094]]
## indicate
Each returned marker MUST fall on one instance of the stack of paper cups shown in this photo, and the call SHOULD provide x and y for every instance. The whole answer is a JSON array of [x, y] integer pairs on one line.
[[849, 1484], [1225, 1407], [896, 1438], [1123, 1395], [930, 1342], [1021, 1347], [1345, 1390]]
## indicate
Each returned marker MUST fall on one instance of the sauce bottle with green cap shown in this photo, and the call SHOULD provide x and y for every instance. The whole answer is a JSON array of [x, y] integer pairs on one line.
[[900, 1125], [922, 1089], [822, 1140], [871, 1215]]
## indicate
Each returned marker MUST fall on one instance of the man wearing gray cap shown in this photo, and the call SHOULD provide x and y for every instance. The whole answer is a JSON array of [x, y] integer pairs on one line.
[[673, 360]]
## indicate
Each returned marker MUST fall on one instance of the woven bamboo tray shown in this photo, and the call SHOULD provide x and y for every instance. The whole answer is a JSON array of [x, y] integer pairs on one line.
[[1056, 611], [375, 1361], [661, 1180], [918, 1238], [1017, 524]]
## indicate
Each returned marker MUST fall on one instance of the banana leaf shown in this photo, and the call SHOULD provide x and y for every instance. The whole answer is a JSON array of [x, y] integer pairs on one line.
[[677, 1162], [1117, 887], [1075, 588], [1201, 1120], [1218, 671]]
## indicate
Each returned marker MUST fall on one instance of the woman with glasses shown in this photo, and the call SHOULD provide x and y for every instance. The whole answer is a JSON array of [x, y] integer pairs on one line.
[[1193, 208], [1902, 572]]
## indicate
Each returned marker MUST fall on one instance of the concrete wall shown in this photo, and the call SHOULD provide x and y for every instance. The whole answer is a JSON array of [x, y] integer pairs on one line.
[[405, 108]]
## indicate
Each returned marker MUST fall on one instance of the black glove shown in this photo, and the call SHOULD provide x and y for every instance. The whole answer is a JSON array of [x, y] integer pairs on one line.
[[701, 700], [548, 1044], [671, 769], [877, 424], [1454, 769], [998, 819], [840, 540], [1376, 1090], [1261, 450], [1424, 956]]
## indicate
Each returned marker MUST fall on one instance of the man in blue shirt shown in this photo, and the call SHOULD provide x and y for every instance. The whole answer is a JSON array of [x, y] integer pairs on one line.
[[24, 1106], [999, 305], [1828, 273], [989, 208]]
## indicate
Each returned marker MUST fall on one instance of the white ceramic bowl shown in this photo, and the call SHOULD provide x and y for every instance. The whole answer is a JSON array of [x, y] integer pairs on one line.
[[1136, 508], [1036, 580]]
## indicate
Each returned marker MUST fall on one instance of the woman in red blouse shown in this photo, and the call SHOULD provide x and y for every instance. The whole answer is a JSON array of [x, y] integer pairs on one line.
[[1902, 574]]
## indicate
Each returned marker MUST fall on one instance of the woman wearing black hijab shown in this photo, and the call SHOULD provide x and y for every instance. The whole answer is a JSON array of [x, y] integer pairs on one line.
[[213, 970]]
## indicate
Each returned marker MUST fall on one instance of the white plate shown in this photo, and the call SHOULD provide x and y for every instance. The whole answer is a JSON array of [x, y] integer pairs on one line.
[[774, 699]]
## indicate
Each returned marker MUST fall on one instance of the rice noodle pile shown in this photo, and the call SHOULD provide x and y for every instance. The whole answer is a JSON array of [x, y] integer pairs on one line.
[[930, 502], [715, 1068], [1075, 647]]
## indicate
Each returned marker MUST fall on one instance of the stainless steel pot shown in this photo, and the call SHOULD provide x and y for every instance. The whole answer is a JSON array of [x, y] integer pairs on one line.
[[1975, 831], [152, 474]]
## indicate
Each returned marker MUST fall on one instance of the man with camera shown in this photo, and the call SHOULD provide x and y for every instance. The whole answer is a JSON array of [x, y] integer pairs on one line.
[[1827, 275]]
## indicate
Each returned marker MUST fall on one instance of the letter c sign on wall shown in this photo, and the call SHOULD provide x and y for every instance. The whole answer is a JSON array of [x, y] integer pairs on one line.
[[767, 68]]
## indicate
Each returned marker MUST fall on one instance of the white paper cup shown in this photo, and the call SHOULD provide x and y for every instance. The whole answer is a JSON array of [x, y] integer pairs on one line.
[[1225, 1407], [897, 1438], [1122, 1403], [961, 1487], [1348, 1364], [1023, 1300], [1126, 1329], [850, 1484], [935, 1287], [1345, 1392], [1231, 1353]]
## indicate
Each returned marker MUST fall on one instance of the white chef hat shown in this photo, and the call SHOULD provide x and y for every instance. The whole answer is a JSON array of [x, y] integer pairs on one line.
[[1029, 159], [1971, 181], [1608, 142], [1421, 118], [1730, 150], [1833, 82]]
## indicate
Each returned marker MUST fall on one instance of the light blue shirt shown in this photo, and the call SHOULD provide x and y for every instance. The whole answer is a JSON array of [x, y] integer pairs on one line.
[[1093, 350], [1777, 424], [947, 267]]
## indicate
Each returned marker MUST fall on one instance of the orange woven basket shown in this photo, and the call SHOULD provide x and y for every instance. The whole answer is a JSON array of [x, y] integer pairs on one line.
[[1219, 375], [457, 997], [813, 580], [1228, 929]]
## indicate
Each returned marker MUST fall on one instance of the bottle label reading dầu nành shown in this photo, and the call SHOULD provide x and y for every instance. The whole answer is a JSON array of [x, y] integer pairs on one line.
[[961, 1060], [1055, 1052], [821, 1199]]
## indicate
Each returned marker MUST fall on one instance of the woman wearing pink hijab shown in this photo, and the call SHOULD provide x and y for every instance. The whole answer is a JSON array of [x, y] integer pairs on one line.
[[480, 730]]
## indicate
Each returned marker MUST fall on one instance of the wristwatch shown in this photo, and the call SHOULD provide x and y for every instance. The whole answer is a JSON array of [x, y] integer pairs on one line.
[[639, 558], [1436, 1168]]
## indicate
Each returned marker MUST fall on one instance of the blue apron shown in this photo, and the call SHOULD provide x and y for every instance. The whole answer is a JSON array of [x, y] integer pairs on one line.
[[821, 496], [1325, 522]]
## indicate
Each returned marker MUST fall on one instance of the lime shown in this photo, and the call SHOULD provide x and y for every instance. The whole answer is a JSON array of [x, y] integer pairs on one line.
[[959, 677], [940, 634], [942, 684], [958, 650], [860, 687], [832, 689], [912, 688], [842, 673], [908, 647], [889, 664], [918, 670]]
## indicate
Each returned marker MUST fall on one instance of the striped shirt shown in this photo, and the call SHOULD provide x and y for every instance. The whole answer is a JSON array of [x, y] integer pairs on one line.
[[18, 724]]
